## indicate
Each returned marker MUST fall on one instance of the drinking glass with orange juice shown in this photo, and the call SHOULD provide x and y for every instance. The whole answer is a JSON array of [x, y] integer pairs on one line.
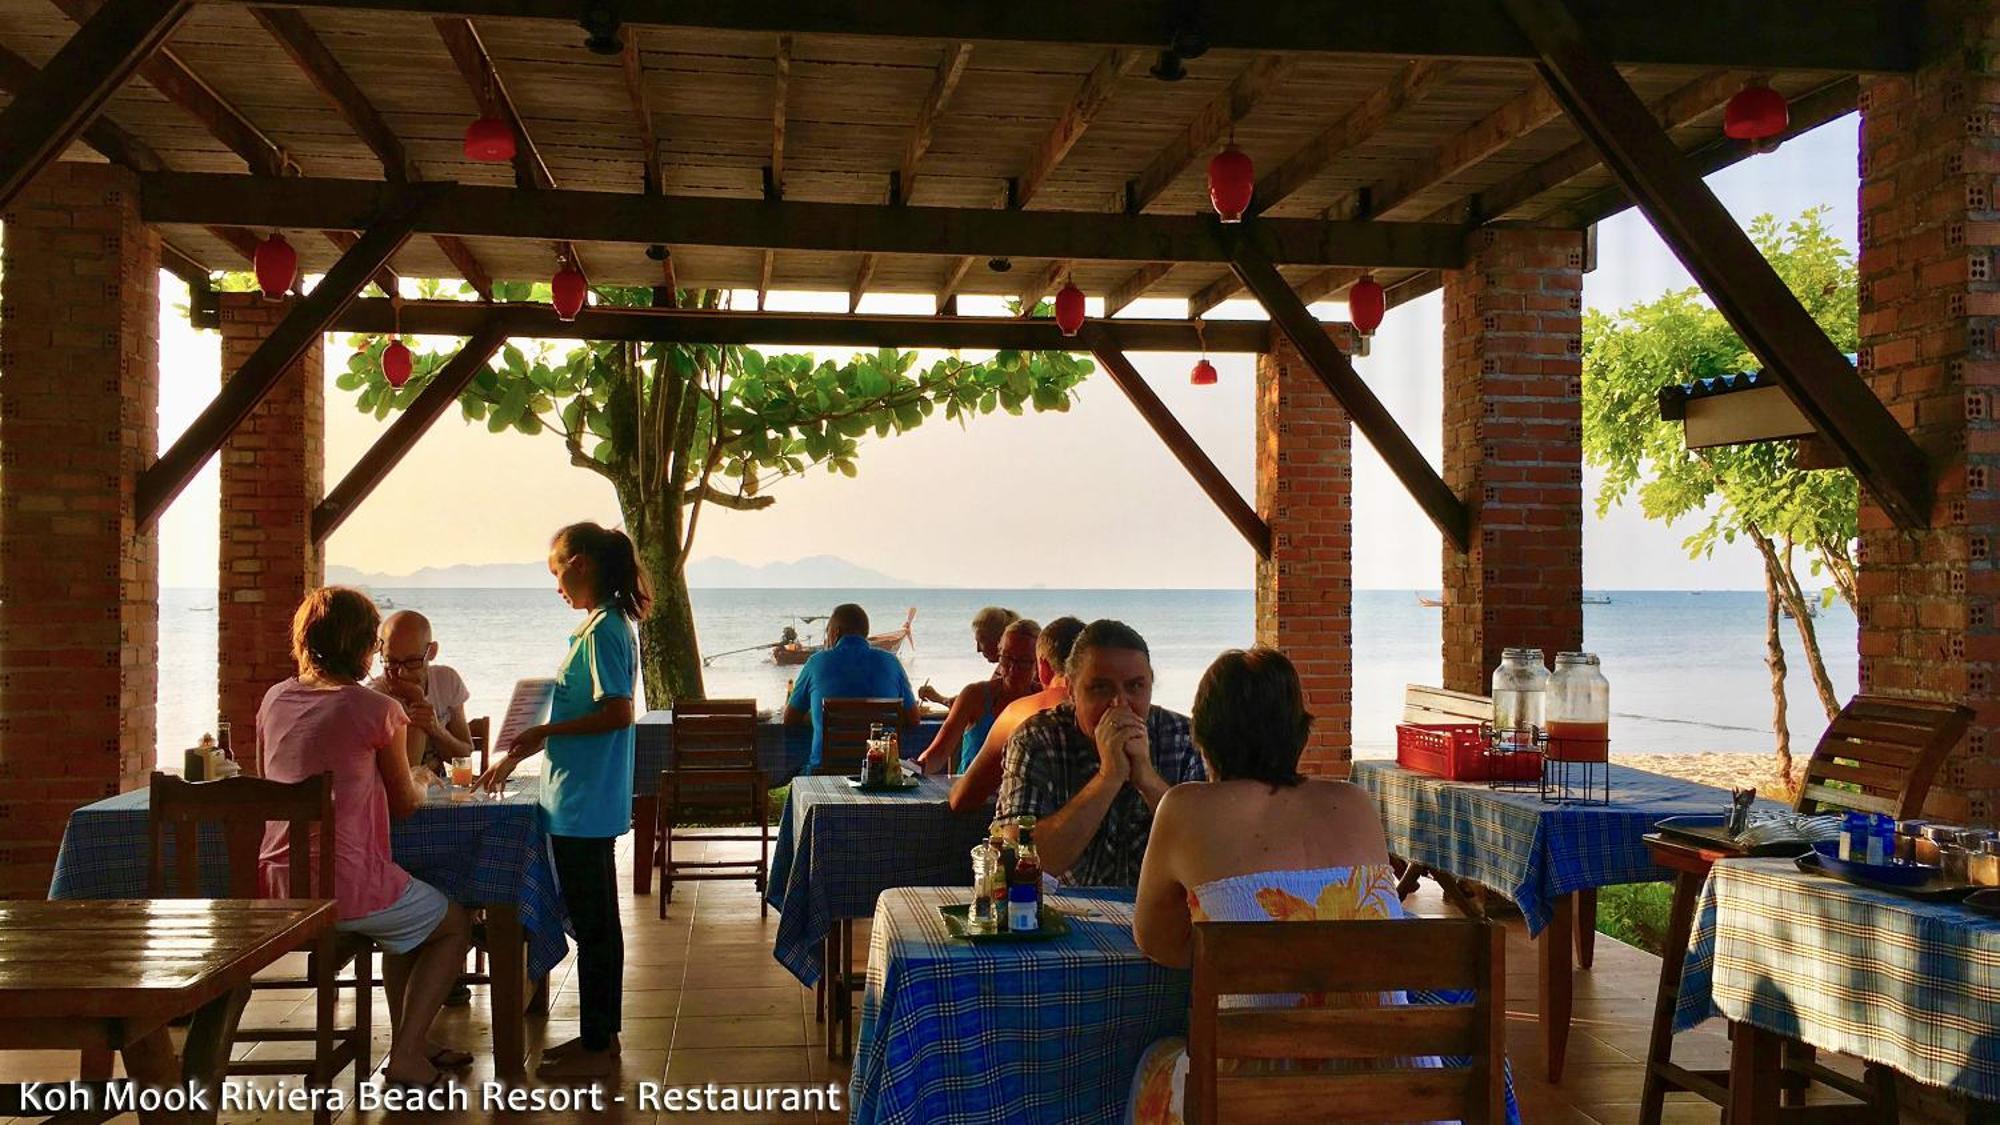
[[461, 772]]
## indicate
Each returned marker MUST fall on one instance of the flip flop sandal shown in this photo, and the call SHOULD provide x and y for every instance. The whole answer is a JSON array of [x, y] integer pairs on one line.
[[450, 1058]]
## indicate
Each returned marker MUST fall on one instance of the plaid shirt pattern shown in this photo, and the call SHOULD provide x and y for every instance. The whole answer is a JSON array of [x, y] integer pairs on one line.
[[781, 750], [476, 852], [1048, 763], [1911, 985], [864, 844], [1534, 853]]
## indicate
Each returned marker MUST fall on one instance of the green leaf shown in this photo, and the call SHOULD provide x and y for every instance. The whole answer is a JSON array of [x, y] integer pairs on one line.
[[474, 408], [349, 380]]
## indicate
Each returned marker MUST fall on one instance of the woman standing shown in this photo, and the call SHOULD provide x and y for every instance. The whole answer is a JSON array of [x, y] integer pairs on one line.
[[587, 782]]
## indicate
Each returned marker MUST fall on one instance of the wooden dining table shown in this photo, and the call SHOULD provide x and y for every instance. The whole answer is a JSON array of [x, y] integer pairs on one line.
[[110, 974]]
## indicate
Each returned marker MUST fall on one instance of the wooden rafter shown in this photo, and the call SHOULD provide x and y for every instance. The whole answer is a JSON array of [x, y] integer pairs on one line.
[[1215, 121], [305, 319], [774, 173], [950, 69], [409, 427], [1290, 315], [1177, 440], [1864, 36], [1410, 83], [111, 140], [385, 278], [372, 315], [1091, 98], [500, 212], [1041, 283], [56, 105], [653, 178], [1743, 285], [1135, 285], [320, 66], [863, 274]]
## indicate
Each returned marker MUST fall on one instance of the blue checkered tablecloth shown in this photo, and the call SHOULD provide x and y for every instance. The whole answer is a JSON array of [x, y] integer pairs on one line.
[[477, 852], [1911, 985], [838, 848], [781, 750], [1514, 843], [1032, 1031]]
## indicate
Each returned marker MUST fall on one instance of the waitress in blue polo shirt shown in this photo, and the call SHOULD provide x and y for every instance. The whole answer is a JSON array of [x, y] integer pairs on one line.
[[587, 781]]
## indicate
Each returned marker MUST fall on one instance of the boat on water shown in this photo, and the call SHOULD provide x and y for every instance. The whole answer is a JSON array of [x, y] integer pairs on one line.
[[1430, 603], [789, 650], [1587, 599]]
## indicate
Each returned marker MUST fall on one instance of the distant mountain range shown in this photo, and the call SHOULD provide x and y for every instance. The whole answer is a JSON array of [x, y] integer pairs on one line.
[[714, 573]]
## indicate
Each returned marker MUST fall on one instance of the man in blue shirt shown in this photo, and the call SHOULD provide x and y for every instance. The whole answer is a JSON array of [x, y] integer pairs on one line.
[[847, 668]]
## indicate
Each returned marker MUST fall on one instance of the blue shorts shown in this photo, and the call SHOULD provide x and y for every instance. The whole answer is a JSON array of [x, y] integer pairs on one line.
[[404, 924]]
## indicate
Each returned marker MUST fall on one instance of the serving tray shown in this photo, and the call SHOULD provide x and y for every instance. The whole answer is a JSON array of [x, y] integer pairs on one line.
[[1054, 924], [1932, 888]]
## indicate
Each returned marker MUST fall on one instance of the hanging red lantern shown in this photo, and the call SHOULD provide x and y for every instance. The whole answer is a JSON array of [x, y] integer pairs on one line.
[[1069, 308], [489, 140], [1230, 182], [1203, 374], [397, 362], [1365, 305], [566, 292], [276, 264], [1758, 115]]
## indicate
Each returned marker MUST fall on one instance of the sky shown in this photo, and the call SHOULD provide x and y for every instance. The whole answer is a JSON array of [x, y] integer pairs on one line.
[[1090, 498]]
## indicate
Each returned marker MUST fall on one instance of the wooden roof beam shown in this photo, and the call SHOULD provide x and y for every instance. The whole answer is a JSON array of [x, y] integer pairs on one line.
[[56, 105], [372, 315], [304, 321], [1746, 290], [1861, 36], [110, 139], [498, 212], [950, 69], [410, 426], [1041, 283], [1409, 84], [863, 274], [781, 94], [1177, 440], [1216, 120], [1289, 313], [634, 68]]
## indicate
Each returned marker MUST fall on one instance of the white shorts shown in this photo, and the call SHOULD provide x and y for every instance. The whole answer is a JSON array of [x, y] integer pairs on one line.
[[404, 924]]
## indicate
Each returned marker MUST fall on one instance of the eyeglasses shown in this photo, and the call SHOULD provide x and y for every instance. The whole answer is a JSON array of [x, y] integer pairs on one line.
[[409, 665]]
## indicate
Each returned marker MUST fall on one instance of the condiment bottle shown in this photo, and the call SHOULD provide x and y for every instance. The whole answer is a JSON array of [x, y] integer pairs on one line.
[[1906, 839], [1931, 842], [195, 760], [1881, 839], [1983, 866], [1854, 838], [1024, 883]]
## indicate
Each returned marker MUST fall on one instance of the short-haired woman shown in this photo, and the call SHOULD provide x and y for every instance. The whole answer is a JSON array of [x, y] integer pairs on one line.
[[325, 720], [1257, 843]]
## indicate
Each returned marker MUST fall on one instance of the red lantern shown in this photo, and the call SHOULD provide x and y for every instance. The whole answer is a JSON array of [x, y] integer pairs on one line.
[[276, 264], [1069, 308], [397, 363], [1230, 182], [1365, 305], [489, 140], [1756, 114], [566, 292], [1203, 374]]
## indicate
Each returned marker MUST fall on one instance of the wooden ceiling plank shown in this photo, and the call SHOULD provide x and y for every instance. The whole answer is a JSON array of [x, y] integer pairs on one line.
[[1816, 376], [943, 84], [57, 104], [1091, 97], [1354, 128]]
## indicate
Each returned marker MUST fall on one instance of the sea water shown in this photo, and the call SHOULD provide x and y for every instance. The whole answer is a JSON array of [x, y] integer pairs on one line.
[[1686, 669]]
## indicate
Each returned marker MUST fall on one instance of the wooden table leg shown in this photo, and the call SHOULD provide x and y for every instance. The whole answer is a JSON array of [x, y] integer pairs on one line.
[[1673, 960], [508, 957], [644, 809], [205, 1053], [1555, 984], [150, 1061], [1586, 927], [846, 988], [1753, 1074]]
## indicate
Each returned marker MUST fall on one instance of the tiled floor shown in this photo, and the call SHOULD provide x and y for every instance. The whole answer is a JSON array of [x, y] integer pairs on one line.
[[705, 1001]]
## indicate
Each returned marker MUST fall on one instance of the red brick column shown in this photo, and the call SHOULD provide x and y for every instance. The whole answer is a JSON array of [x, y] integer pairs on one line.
[[1305, 590], [1930, 348], [273, 472], [79, 585], [1513, 364]]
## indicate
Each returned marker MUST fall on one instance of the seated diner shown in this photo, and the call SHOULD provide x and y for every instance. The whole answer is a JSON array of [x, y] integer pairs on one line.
[[975, 708]]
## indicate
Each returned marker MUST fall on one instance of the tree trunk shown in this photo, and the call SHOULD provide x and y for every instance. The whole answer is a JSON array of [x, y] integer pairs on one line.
[[669, 652], [1795, 599], [1774, 657]]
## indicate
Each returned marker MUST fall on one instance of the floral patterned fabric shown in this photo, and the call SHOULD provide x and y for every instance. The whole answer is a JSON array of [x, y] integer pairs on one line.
[[1326, 894]]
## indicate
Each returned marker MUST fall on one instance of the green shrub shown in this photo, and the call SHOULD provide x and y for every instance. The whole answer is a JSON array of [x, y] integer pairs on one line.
[[1636, 914]]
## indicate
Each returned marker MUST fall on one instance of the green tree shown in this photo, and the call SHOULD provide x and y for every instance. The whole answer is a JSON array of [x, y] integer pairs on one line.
[[1755, 491], [676, 428]]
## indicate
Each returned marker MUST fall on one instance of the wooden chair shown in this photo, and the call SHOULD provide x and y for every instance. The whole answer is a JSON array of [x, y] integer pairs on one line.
[[1879, 755], [243, 806], [715, 767], [1436, 954], [481, 732], [844, 725]]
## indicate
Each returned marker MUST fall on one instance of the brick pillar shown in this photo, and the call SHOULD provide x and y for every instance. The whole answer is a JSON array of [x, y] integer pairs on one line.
[[1305, 590], [1513, 449], [273, 471], [1930, 348], [79, 585]]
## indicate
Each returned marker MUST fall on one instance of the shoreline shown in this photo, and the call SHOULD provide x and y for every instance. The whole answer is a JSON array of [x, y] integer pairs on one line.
[[1724, 770]]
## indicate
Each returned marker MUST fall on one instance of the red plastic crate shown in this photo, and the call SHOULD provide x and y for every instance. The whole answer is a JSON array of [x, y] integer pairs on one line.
[[1457, 752]]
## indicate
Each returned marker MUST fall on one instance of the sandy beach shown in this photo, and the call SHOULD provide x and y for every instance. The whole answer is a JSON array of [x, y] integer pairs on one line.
[[1726, 771]]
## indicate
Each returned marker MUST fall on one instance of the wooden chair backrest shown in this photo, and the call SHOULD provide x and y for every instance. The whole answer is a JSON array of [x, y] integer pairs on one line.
[[844, 727], [1890, 749], [1436, 706], [715, 741], [242, 806], [1371, 956], [481, 732], [693, 708]]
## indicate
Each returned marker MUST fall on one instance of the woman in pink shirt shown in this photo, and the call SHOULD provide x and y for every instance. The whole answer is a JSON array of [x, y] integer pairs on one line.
[[326, 720]]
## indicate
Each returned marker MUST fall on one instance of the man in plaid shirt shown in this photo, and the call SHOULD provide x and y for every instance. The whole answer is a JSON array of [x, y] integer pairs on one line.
[[1092, 769]]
